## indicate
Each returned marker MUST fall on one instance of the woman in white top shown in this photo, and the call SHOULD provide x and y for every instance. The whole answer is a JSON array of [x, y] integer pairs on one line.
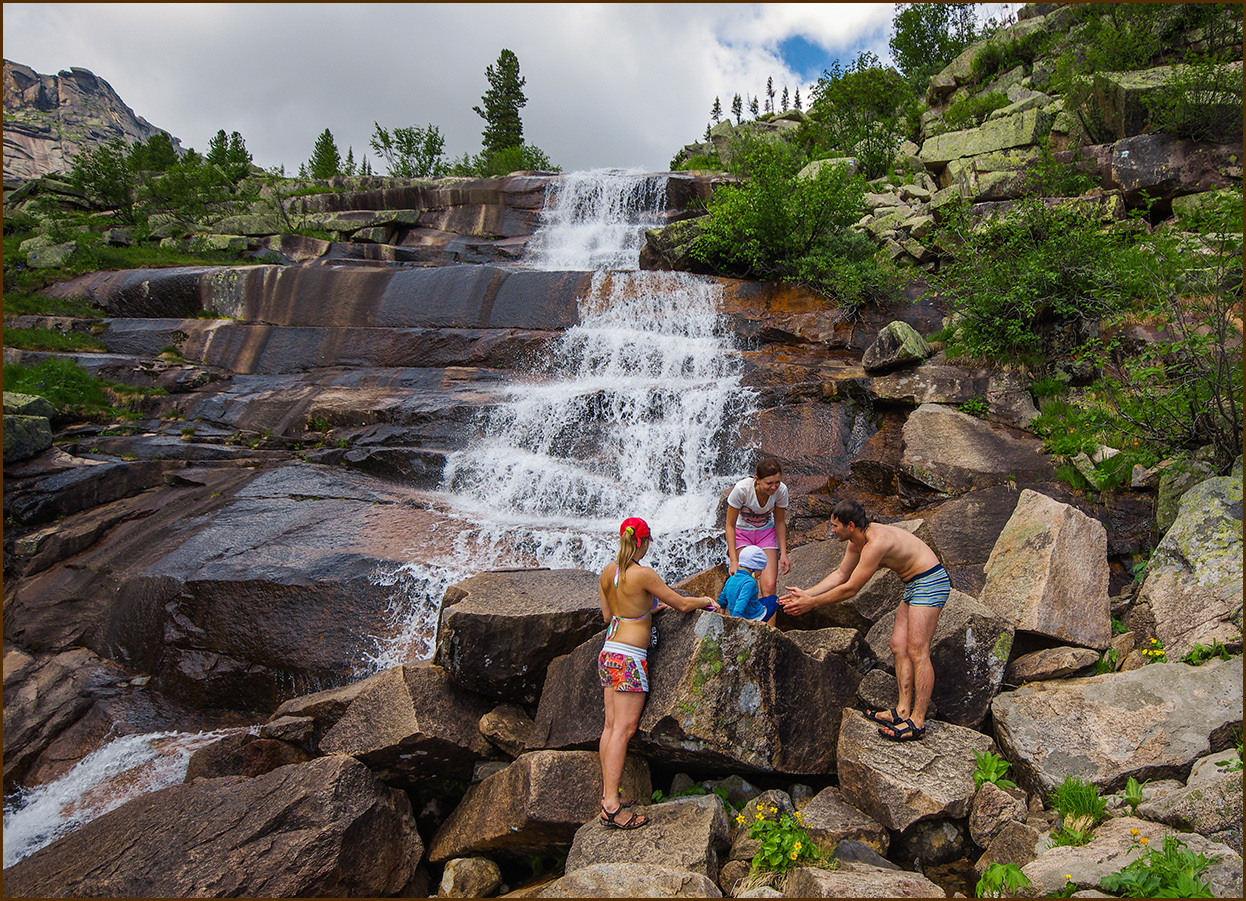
[[757, 515]]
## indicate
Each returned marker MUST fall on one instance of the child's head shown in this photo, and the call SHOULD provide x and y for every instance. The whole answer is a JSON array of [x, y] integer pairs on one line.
[[753, 558]]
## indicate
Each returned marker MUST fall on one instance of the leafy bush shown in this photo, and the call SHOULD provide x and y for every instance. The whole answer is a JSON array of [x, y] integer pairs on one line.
[[784, 842], [1174, 872], [991, 768], [1202, 101], [775, 225], [1184, 391], [700, 161], [1201, 653], [1107, 662], [1050, 177], [410, 152], [503, 162], [863, 111], [1004, 55], [970, 112], [1033, 281], [1001, 880]]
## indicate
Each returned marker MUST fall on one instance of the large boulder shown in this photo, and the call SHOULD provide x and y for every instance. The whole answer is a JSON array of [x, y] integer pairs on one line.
[[1019, 130], [901, 783], [1122, 96], [897, 345], [411, 724], [829, 819], [1113, 846], [1165, 166], [534, 806], [726, 695], [1209, 804], [25, 436], [858, 880], [499, 631], [1149, 723], [683, 834], [623, 880], [952, 452], [1048, 573], [969, 651], [328, 827], [1193, 581], [670, 247], [966, 528], [44, 696]]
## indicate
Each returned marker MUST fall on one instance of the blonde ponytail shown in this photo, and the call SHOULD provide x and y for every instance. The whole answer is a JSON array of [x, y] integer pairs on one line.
[[628, 545]]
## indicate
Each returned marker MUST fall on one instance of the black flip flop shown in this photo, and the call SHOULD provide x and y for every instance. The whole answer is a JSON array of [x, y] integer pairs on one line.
[[635, 821]]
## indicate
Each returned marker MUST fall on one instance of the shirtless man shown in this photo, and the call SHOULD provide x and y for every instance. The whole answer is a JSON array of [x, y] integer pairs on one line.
[[926, 589]]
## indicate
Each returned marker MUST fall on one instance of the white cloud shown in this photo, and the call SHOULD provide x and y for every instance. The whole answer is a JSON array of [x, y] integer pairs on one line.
[[608, 84]]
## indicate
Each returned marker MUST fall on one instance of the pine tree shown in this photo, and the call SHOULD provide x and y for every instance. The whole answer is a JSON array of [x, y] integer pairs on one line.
[[218, 148], [783, 104], [365, 167], [737, 109], [797, 101], [326, 162], [752, 107], [770, 95], [501, 105], [348, 168], [717, 111]]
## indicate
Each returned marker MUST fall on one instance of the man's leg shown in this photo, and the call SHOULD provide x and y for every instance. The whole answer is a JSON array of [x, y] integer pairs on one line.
[[921, 629], [904, 664]]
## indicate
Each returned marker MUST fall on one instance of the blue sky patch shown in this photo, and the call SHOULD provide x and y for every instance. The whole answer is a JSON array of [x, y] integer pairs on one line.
[[804, 56]]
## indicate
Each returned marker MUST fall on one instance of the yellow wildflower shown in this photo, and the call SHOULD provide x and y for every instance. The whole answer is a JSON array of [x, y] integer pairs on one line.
[[1068, 877], [739, 818], [1144, 840], [1133, 831], [774, 810], [759, 805], [759, 816], [1154, 641], [796, 846], [793, 855]]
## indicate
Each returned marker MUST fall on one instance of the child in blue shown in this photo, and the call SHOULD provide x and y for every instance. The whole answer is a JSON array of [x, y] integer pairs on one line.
[[739, 595]]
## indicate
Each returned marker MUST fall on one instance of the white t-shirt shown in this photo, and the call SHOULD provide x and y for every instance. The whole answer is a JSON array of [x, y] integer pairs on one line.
[[753, 515]]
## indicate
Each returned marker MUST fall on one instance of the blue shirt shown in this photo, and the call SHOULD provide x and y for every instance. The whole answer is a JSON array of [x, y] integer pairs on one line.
[[739, 596]]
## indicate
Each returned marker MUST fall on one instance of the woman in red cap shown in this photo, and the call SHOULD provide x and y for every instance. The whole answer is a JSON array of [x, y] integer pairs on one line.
[[630, 593]]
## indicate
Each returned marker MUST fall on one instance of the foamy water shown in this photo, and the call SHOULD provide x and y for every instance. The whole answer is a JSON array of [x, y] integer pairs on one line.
[[121, 770], [637, 414]]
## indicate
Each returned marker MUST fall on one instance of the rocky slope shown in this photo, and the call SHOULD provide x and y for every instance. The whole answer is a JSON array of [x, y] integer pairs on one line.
[[48, 119]]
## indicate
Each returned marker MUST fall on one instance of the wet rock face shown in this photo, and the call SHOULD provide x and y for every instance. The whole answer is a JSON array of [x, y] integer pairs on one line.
[[328, 827]]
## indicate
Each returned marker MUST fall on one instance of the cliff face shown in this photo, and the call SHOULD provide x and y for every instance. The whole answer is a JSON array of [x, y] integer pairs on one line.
[[49, 119]]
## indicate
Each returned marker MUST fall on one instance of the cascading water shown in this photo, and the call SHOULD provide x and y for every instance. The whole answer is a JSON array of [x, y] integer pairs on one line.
[[636, 414], [124, 768]]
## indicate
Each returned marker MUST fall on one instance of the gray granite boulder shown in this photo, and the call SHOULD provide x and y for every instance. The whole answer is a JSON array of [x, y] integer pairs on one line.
[[498, 631], [858, 880], [898, 344], [1048, 573], [901, 783], [624, 880], [25, 436], [533, 806], [1149, 723], [952, 452], [1193, 581]]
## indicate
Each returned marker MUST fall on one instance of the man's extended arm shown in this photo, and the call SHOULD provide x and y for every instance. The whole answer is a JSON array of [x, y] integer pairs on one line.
[[839, 586]]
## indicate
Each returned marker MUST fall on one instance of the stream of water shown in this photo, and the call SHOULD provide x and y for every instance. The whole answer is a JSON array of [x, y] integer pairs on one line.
[[636, 414]]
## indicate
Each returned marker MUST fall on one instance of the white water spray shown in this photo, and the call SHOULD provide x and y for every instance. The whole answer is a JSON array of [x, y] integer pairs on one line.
[[123, 769], [636, 414]]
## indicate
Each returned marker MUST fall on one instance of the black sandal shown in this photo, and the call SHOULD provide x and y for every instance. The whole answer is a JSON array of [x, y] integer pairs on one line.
[[635, 821], [905, 730], [873, 715]]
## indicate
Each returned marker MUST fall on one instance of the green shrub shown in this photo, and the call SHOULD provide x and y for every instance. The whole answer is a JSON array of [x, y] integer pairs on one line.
[[991, 768], [1107, 662], [784, 842], [1004, 55], [1174, 872], [1031, 282], [1049, 177], [774, 225], [700, 161], [1001, 880], [1202, 101], [971, 111], [1201, 653]]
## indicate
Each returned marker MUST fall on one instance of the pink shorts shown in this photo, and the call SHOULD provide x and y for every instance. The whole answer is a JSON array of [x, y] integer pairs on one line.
[[763, 538]]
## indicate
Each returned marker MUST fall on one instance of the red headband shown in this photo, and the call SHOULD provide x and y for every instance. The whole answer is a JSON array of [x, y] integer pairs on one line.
[[639, 527]]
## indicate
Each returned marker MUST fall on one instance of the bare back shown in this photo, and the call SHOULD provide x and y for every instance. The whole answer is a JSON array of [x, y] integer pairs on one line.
[[632, 603], [898, 550]]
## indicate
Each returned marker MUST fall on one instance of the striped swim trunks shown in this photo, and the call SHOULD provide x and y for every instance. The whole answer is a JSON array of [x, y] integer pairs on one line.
[[928, 589]]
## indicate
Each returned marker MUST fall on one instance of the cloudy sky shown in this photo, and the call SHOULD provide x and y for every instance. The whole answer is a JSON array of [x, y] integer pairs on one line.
[[608, 84]]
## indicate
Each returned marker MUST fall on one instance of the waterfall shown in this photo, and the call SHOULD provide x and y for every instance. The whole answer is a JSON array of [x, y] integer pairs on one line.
[[636, 413], [122, 769]]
